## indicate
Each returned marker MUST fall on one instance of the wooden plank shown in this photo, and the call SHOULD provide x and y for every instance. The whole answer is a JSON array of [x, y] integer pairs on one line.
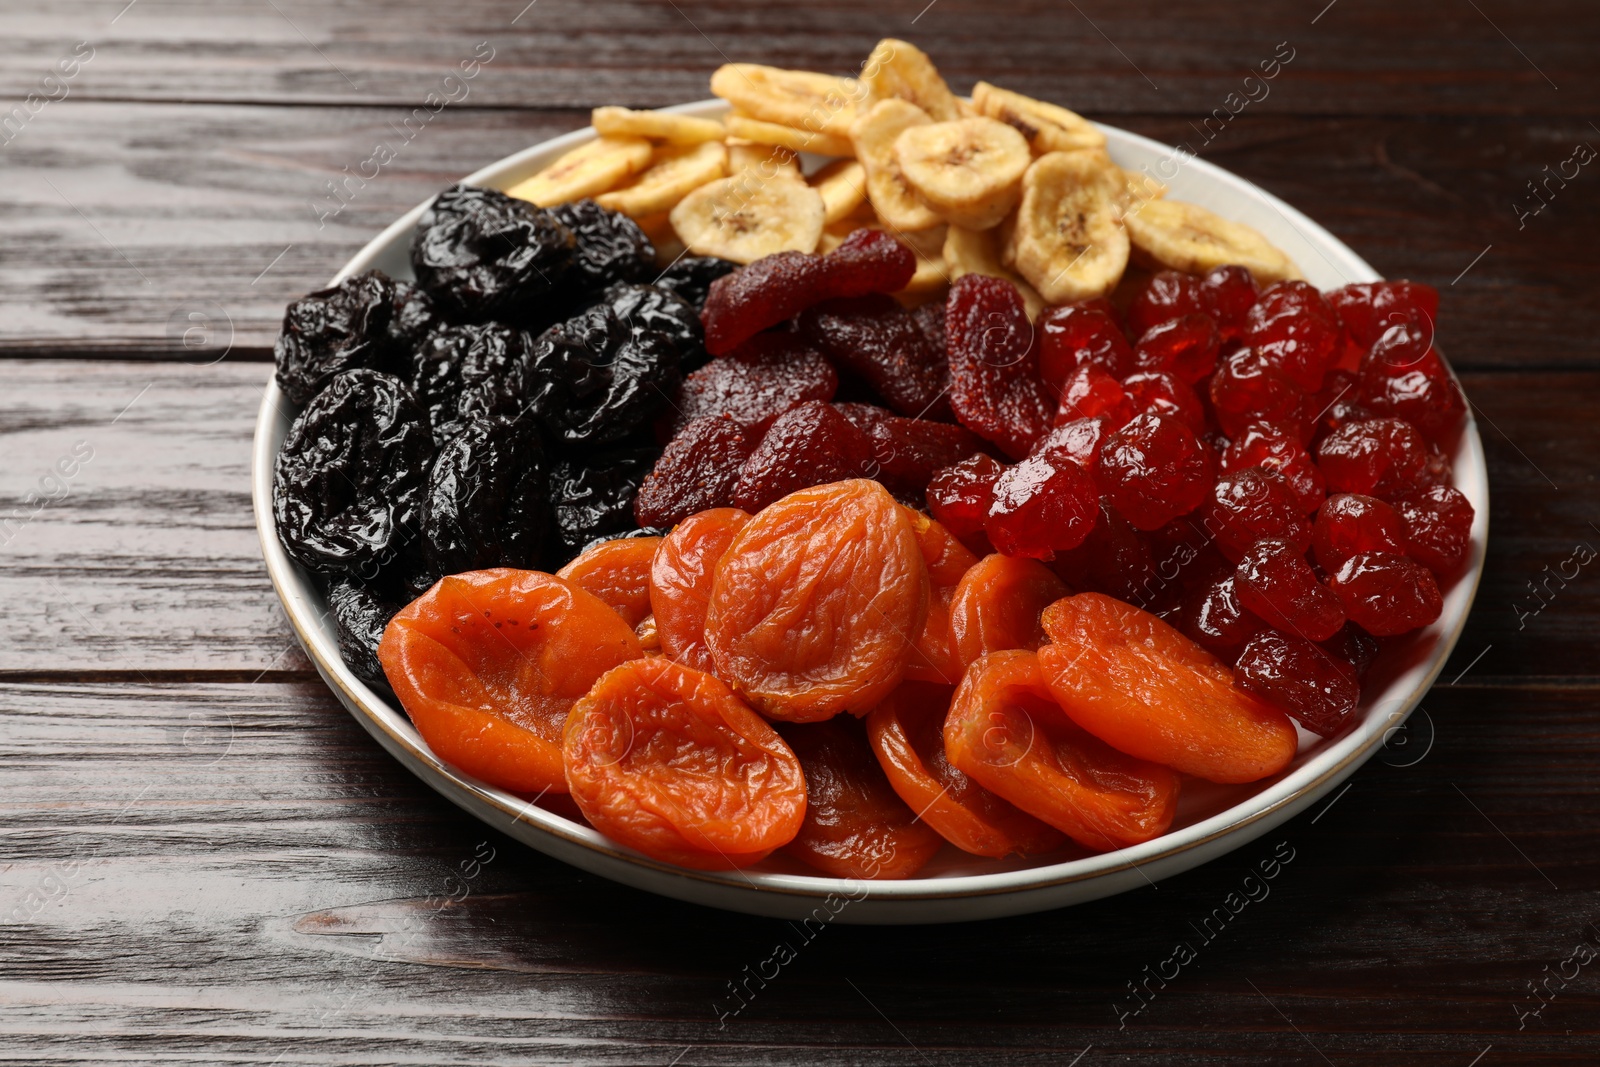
[[237, 872], [123, 243]]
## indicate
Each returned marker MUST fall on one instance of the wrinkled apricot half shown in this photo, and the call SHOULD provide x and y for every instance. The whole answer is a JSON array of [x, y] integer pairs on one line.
[[817, 604], [667, 760], [680, 581], [1141, 686], [1006, 731], [934, 658], [488, 663], [907, 736], [997, 606], [856, 825], [617, 572]]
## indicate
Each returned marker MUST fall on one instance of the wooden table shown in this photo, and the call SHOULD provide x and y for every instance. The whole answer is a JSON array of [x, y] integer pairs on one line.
[[207, 861]]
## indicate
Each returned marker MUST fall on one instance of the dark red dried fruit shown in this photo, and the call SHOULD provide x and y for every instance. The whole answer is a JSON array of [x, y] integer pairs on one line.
[[1353, 647], [1377, 457], [1162, 393], [1251, 505], [959, 496], [1153, 470], [775, 289], [1317, 690], [1079, 440], [1367, 309], [1091, 393], [697, 471], [1247, 388], [1404, 377], [1349, 524], [995, 389], [1043, 505], [1438, 527], [1114, 559], [879, 340], [910, 451], [929, 318], [1386, 593], [766, 376], [1269, 445], [1230, 293], [1332, 406], [1186, 347], [1295, 330], [1166, 296], [1275, 582], [1213, 616], [810, 444], [1076, 335]]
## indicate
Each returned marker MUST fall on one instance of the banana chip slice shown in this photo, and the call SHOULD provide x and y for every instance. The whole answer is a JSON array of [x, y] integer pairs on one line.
[[874, 135], [769, 161], [842, 185], [663, 238], [745, 217], [969, 171], [676, 173], [975, 252], [1047, 127], [900, 70], [758, 131], [1189, 238], [1140, 187], [587, 170], [797, 98], [932, 274], [1068, 240], [656, 125]]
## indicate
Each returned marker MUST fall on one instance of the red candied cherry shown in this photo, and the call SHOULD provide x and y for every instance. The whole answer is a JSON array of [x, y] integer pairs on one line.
[[1296, 331], [1367, 309], [1161, 393], [1376, 457], [1249, 388], [1153, 470], [1269, 445], [1079, 440], [1214, 618], [1075, 335], [1090, 393], [1335, 404], [1185, 346], [1274, 581], [1354, 646], [1166, 296], [1401, 378], [959, 496], [1231, 293], [1113, 559], [1040, 506], [1349, 524], [1386, 593], [1317, 690], [1438, 526], [1252, 505]]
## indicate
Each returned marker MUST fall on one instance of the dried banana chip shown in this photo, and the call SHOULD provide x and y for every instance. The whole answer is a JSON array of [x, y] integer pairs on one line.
[[874, 135], [898, 70], [842, 185], [1140, 187], [969, 171], [769, 161], [676, 173], [656, 125], [1068, 239], [798, 98], [587, 170], [663, 238], [745, 217], [1189, 238], [976, 252], [1047, 127], [760, 132]]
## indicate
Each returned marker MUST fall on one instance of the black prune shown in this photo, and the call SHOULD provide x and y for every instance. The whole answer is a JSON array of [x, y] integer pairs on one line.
[[648, 307], [610, 246], [691, 277], [412, 318], [348, 481], [482, 254], [462, 373], [593, 499], [360, 614], [617, 378], [331, 331], [488, 500]]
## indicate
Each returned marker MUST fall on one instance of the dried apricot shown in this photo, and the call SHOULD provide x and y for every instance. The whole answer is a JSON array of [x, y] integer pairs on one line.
[[1144, 688], [680, 581], [907, 735], [488, 663], [856, 825], [667, 760], [818, 602], [1008, 733], [618, 572], [947, 559], [997, 606]]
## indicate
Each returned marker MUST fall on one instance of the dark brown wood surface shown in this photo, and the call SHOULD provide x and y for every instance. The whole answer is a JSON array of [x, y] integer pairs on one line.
[[203, 859]]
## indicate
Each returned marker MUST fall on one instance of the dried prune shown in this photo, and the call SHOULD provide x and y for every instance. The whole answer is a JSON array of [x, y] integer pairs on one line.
[[763, 378], [348, 482], [593, 498], [413, 316], [649, 307], [1153, 470], [482, 254], [691, 276], [697, 471], [463, 373], [879, 340], [331, 331], [488, 500], [610, 246], [1316, 689], [359, 615], [616, 378], [995, 389], [810, 444]]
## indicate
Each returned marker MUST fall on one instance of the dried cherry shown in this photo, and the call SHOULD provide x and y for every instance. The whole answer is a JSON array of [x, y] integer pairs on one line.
[[959, 496], [1438, 526], [1386, 593], [1166, 296], [1294, 330], [1214, 618], [1349, 524], [1374, 457], [1230, 293], [1077, 335], [1270, 445], [1248, 388], [1274, 581], [1253, 504], [995, 389], [1367, 309], [1090, 393], [1161, 393], [360, 614], [1046, 503], [1317, 690], [1153, 470]]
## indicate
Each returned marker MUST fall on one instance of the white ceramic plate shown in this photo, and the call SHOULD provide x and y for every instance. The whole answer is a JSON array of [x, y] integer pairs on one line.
[[1211, 819]]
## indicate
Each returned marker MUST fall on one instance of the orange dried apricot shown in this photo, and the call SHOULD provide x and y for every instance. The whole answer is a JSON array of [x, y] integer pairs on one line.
[[818, 602], [907, 735], [488, 663], [1141, 686], [947, 559], [997, 606], [617, 572], [667, 760], [680, 581], [1006, 731], [856, 825]]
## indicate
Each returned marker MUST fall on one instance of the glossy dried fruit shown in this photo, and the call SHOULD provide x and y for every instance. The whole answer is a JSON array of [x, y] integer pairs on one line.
[[1164, 394], [1275, 582], [1438, 527], [1081, 334], [1115, 558], [909, 452], [1269, 445], [1045, 504], [348, 483], [412, 318], [698, 470], [1166, 296], [1153, 470], [482, 254], [1215, 619], [1318, 691], [1376, 457], [488, 500], [765, 377], [593, 499], [333, 330], [1090, 393], [488, 664], [995, 389], [1142, 687], [649, 307], [947, 560], [1251, 505], [856, 825], [617, 573], [1007, 732], [610, 247], [1404, 377], [1367, 309], [1186, 347], [360, 613], [810, 444], [465, 373], [997, 605], [877, 339], [817, 604], [1349, 524], [1294, 330], [1247, 389], [667, 760], [1079, 440], [907, 736], [1230, 293], [681, 575], [616, 378], [1386, 593], [691, 276], [959, 496]]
